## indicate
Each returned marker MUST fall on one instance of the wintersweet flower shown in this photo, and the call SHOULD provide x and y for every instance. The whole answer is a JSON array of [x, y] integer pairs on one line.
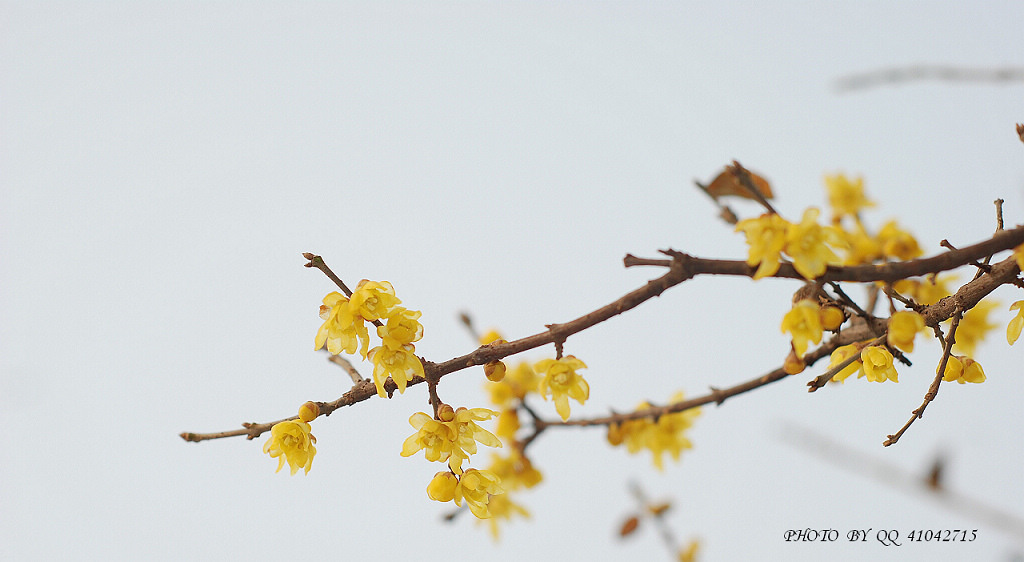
[[292, 441], [861, 248], [766, 236], [400, 364], [878, 365], [517, 383], [476, 487], [562, 382], [343, 329], [846, 197], [490, 336], [508, 423], [516, 471], [808, 244], [973, 327], [963, 370], [403, 327], [373, 300], [667, 435], [468, 433], [898, 243], [804, 325], [1018, 254], [842, 354], [832, 317], [1015, 325], [442, 486], [930, 290], [903, 326], [502, 507], [435, 438]]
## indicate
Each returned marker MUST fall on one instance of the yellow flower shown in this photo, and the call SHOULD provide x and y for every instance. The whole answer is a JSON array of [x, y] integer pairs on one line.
[[494, 371], [689, 552], [963, 370], [515, 471], [490, 336], [403, 327], [514, 387], [878, 365], [1018, 254], [842, 354], [562, 382], [436, 438], [508, 423], [860, 247], [476, 487], [766, 236], [292, 441], [442, 486], [400, 364], [373, 300], [467, 433], [846, 197], [804, 325], [1015, 325], [502, 507], [342, 329], [973, 328], [898, 243], [665, 435], [807, 243], [927, 291], [903, 326]]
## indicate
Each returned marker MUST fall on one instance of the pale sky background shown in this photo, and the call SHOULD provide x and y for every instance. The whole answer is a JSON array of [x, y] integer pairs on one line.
[[164, 165]]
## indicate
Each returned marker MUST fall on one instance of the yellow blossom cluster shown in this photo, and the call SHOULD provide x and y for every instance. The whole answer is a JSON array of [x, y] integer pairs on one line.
[[344, 329], [807, 243], [452, 438], [666, 434], [292, 441], [516, 472]]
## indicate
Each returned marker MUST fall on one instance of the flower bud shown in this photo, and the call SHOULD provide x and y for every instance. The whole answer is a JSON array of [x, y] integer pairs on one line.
[[442, 487], [615, 434], [446, 413], [495, 371], [793, 365], [832, 317], [309, 411]]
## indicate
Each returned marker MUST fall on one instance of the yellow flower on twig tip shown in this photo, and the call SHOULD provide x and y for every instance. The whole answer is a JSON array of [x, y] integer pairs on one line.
[[808, 244], [343, 329], [846, 197], [878, 365], [1015, 325], [766, 236], [903, 326], [803, 323], [562, 382], [292, 441]]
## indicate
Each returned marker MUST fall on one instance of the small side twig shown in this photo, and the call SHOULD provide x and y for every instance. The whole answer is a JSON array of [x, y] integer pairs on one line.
[[347, 365], [933, 389], [743, 176]]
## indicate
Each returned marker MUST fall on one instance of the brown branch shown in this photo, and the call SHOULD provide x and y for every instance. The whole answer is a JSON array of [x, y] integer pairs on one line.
[[681, 268], [892, 271]]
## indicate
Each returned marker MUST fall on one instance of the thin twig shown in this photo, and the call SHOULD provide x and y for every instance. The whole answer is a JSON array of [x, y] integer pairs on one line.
[[933, 389], [743, 176], [347, 365], [894, 76]]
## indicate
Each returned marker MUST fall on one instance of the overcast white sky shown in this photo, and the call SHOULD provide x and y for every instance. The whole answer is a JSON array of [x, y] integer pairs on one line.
[[163, 165]]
